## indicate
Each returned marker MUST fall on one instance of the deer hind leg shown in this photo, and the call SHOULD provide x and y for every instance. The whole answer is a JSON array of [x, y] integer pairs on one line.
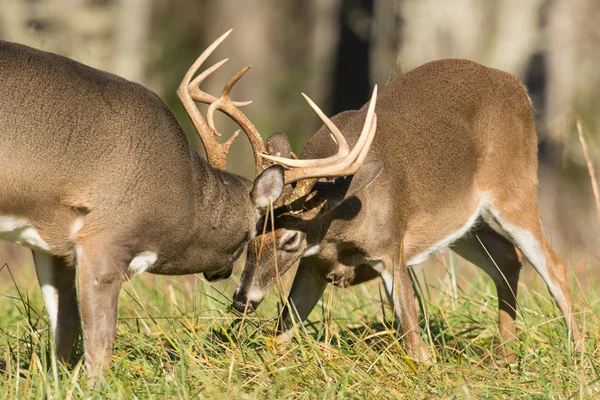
[[498, 257], [522, 225], [100, 279], [57, 280], [307, 290], [401, 295]]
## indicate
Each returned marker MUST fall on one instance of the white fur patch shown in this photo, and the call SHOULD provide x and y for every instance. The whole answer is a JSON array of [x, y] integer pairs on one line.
[[378, 266], [532, 250], [20, 231], [43, 266], [445, 242], [255, 295], [388, 281], [141, 262], [311, 251], [77, 225]]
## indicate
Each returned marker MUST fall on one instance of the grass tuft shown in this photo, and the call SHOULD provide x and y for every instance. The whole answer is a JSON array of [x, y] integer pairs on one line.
[[178, 338]]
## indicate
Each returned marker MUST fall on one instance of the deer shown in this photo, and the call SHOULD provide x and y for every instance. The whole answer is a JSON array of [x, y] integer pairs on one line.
[[454, 164], [99, 180]]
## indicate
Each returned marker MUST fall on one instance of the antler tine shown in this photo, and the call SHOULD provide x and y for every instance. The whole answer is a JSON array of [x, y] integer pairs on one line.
[[224, 102], [227, 106], [189, 92], [340, 140], [196, 93], [216, 153], [349, 164], [306, 184], [207, 98]]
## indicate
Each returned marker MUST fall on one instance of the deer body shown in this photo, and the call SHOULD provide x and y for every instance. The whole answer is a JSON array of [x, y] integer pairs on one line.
[[146, 177], [457, 152], [99, 180], [97, 176]]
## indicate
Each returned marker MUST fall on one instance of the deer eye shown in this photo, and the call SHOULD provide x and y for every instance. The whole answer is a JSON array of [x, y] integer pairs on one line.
[[291, 242]]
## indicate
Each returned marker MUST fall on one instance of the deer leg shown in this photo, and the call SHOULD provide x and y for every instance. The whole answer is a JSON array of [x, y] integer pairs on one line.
[[307, 289], [100, 279], [401, 296], [498, 257], [524, 229], [57, 280]]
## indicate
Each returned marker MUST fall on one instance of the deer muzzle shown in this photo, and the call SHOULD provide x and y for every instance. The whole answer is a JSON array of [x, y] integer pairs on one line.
[[242, 304]]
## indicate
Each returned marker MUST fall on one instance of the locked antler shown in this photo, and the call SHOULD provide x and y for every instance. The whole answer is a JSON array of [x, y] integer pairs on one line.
[[344, 162]]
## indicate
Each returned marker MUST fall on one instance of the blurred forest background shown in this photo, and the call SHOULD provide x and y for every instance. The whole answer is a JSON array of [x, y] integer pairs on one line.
[[335, 51]]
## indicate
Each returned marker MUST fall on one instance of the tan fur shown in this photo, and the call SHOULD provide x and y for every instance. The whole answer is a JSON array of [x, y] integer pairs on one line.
[[457, 145], [78, 144]]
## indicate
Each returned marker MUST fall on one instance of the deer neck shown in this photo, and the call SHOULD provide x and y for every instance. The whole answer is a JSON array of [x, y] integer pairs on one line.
[[220, 222], [338, 235]]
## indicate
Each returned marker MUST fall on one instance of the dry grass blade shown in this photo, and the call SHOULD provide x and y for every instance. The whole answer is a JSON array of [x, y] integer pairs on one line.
[[347, 350], [590, 167]]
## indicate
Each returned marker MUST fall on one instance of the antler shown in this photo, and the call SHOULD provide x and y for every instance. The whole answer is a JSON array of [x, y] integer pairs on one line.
[[188, 92], [343, 163]]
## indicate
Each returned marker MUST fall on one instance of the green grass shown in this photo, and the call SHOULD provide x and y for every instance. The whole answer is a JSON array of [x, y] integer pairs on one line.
[[177, 339]]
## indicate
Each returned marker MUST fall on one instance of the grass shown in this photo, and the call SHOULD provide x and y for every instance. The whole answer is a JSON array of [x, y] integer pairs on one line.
[[177, 338]]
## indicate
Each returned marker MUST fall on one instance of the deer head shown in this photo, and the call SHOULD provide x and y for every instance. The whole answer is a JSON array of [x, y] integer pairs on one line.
[[276, 170], [292, 230]]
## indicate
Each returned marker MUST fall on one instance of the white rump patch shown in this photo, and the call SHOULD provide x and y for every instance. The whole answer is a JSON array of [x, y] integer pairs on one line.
[[20, 231], [141, 262], [448, 240]]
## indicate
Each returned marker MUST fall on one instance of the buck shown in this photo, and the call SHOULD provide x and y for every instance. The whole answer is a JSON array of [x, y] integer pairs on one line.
[[99, 180], [454, 164]]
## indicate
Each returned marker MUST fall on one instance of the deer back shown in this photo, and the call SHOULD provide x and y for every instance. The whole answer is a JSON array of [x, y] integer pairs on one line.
[[449, 132], [79, 142]]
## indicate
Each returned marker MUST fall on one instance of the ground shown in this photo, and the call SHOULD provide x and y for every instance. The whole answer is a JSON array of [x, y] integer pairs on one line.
[[178, 338]]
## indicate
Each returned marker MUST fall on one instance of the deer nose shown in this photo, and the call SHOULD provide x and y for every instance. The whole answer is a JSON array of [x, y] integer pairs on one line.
[[240, 301]]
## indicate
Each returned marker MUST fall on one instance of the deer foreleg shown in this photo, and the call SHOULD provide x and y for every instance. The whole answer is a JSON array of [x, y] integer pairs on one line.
[[100, 279], [57, 280], [401, 296], [307, 289]]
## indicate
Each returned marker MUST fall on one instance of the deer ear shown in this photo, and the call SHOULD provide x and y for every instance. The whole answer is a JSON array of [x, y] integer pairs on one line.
[[278, 145], [268, 187]]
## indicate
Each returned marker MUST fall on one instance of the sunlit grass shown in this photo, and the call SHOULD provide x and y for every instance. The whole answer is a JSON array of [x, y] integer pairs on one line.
[[178, 339]]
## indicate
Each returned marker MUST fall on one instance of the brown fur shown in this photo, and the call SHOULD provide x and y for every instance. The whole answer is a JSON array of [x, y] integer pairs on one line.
[[447, 133], [78, 142]]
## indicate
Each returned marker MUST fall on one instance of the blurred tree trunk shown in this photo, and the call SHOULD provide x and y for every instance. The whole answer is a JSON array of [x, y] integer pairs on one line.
[[131, 39], [386, 38], [500, 34], [111, 35], [570, 46], [351, 77]]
